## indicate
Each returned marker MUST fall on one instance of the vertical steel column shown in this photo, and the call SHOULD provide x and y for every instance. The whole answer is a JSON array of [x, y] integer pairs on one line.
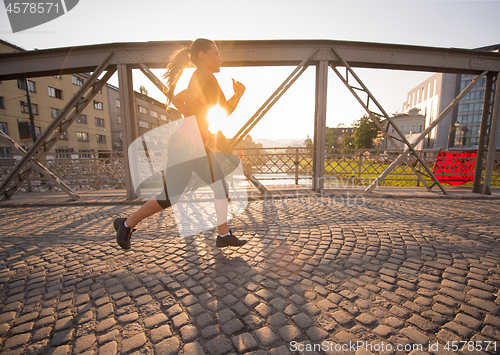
[[485, 122], [320, 126], [129, 122], [492, 147]]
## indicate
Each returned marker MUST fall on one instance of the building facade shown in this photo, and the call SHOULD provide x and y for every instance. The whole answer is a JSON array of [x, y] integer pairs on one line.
[[149, 113], [89, 134], [410, 124], [97, 129], [460, 128]]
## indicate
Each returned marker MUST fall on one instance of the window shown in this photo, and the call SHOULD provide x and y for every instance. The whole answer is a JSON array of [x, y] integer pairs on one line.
[[54, 112], [466, 107], [163, 117], [153, 126], [143, 124], [99, 122], [53, 92], [420, 127], [3, 127], [38, 132], [98, 105], [24, 108], [77, 80], [120, 135], [154, 114], [82, 136], [81, 119], [402, 128], [64, 153], [2, 102], [119, 119], [393, 129], [57, 76], [143, 110], [412, 128], [24, 131], [478, 106], [21, 84], [101, 138], [4, 151], [64, 136], [86, 153], [117, 103]]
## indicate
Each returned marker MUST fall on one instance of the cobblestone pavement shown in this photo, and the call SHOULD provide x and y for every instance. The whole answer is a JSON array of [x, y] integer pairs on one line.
[[390, 273]]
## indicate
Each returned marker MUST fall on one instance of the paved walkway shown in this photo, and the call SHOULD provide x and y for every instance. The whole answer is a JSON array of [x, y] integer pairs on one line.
[[391, 273], [119, 197]]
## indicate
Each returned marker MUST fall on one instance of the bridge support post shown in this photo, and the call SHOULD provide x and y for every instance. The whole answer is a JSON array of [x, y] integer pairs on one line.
[[320, 126], [125, 84]]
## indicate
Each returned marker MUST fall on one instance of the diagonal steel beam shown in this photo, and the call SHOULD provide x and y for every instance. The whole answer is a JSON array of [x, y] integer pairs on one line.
[[376, 120], [443, 114], [62, 127], [297, 72], [154, 79], [40, 168], [56, 128], [405, 141]]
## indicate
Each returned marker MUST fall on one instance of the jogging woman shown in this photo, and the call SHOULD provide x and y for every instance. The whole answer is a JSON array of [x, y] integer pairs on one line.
[[202, 94]]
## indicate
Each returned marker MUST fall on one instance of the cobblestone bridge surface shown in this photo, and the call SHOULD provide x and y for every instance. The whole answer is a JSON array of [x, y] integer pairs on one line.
[[388, 273]]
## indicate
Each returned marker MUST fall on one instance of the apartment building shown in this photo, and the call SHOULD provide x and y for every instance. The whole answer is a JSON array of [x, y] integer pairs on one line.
[[411, 124], [460, 128], [149, 113], [97, 129], [89, 134]]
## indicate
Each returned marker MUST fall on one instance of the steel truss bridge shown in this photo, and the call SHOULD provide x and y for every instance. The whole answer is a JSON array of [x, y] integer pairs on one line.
[[341, 57]]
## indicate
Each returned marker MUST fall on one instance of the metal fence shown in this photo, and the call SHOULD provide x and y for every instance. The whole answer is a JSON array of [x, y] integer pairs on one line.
[[288, 166]]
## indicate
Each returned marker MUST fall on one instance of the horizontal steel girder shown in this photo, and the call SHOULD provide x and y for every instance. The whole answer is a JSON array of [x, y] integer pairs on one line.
[[250, 53]]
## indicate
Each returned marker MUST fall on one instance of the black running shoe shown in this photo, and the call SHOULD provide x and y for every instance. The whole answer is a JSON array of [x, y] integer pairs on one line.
[[123, 233], [229, 241]]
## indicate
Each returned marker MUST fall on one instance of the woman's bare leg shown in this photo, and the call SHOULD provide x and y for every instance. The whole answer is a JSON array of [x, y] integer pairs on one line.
[[148, 209], [221, 207]]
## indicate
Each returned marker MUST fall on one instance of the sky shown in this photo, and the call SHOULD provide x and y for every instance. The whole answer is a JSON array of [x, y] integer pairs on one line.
[[457, 24]]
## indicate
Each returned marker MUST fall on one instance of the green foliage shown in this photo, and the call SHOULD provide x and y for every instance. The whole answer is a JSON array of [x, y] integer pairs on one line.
[[331, 139], [143, 90], [365, 132], [347, 141]]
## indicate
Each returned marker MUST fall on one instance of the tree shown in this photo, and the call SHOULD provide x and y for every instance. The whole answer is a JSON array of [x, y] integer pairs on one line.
[[143, 90], [330, 139], [365, 131], [347, 141]]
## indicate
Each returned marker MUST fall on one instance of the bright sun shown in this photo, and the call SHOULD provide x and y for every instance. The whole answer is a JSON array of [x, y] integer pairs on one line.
[[216, 117]]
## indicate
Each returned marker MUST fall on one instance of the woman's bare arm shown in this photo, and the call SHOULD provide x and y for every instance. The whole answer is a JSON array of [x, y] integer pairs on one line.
[[209, 89]]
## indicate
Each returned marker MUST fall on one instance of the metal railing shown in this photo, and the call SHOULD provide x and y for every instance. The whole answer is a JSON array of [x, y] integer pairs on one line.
[[105, 170]]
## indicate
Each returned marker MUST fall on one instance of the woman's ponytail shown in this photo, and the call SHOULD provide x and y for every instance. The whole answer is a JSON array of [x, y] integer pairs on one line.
[[179, 60]]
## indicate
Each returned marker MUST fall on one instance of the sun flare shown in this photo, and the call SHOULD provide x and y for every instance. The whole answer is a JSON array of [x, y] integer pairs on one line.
[[216, 117]]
